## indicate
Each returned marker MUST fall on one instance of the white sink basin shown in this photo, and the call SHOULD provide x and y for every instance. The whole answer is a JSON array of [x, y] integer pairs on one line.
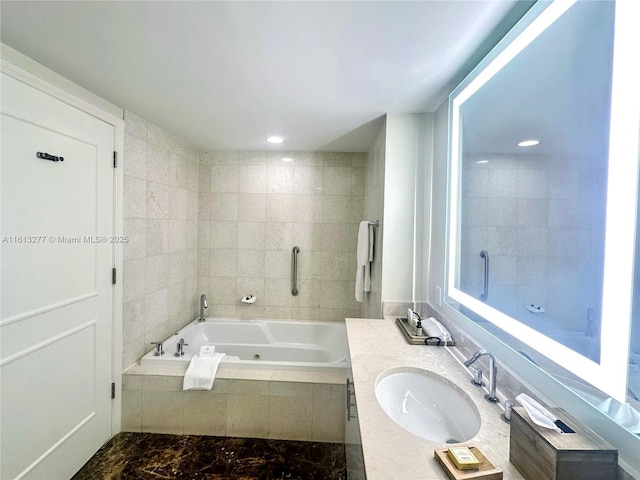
[[427, 405]]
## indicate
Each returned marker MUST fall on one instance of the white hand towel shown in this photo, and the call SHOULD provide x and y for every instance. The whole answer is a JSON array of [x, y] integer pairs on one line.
[[434, 328], [367, 267], [362, 259], [201, 372]]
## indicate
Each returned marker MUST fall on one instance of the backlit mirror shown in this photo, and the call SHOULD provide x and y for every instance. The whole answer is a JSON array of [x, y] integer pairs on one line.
[[543, 194]]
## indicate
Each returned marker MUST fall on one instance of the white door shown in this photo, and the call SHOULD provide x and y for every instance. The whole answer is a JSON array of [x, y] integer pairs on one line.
[[55, 292]]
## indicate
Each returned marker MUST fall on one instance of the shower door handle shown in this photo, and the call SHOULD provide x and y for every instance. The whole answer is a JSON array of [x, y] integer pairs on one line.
[[294, 273], [485, 294]]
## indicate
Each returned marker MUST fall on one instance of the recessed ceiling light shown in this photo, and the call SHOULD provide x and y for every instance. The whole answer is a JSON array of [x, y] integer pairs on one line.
[[275, 140], [287, 159], [528, 143]]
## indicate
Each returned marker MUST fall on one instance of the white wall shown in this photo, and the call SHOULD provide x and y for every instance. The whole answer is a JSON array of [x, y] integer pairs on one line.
[[27, 64], [403, 150], [374, 210], [437, 239], [423, 211]]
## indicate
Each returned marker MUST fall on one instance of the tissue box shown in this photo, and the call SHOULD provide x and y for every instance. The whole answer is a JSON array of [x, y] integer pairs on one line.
[[540, 454]]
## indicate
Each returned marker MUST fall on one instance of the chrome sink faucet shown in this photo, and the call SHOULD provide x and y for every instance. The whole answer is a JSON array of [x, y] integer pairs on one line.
[[493, 371], [203, 305]]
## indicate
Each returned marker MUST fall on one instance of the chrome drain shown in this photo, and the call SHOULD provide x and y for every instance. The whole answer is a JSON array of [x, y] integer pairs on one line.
[[256, 357], [452, 440]]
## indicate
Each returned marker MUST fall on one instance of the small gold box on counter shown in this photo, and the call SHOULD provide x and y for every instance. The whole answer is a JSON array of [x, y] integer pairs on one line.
[[463, 458], [543, 454]]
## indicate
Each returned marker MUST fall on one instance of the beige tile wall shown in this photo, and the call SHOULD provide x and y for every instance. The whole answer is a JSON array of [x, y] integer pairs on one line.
[[235, 408], [160, 220], [253, 207]]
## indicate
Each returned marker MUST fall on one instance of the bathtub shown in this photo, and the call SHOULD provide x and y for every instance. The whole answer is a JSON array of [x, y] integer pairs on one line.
[[261, 344]]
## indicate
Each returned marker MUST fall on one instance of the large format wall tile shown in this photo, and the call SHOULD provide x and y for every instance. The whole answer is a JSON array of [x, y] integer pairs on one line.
[[161, 209], [262, 204]]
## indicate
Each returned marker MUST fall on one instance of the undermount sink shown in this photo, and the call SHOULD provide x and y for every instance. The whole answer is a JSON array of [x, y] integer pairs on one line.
[[427, 405]]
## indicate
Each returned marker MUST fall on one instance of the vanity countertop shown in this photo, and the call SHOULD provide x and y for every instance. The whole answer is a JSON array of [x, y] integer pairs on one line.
[[390, 452]]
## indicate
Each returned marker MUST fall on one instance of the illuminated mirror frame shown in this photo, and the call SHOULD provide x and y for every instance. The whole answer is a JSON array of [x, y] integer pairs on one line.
[[610, 375]]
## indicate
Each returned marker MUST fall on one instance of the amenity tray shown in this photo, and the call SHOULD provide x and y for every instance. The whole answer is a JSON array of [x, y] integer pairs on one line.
[[413, 339]]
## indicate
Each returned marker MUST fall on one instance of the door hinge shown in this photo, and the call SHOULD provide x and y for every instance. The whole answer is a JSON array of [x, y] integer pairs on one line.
[[115, 159], [113, 390], [113, 276]]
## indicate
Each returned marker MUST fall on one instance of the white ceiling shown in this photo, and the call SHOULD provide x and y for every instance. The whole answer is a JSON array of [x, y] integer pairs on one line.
[[225, 75]]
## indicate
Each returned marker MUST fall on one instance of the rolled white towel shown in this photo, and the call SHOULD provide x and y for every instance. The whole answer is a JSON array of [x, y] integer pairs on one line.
[[434, 328], [202, 372]]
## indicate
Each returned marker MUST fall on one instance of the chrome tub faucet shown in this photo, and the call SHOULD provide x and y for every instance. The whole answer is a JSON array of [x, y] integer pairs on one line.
[[493, 371], [203, 305], [180, 348], [159, 350]]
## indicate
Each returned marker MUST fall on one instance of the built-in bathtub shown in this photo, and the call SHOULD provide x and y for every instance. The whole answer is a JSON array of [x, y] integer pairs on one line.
[[295, 390], [260, 344]]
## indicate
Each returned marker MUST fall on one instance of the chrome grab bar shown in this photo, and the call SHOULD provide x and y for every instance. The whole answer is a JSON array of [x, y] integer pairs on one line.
[[485, 294], [294, 273]]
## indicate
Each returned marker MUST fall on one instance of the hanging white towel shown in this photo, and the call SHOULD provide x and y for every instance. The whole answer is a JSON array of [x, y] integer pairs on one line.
[[367, 267], [202, 372], [364, 255]]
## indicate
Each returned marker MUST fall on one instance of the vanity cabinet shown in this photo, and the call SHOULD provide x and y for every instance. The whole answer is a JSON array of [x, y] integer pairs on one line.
[[352, 440]]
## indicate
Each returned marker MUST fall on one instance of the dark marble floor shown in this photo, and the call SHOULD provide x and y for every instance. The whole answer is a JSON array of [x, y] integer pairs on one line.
[[153, 456]]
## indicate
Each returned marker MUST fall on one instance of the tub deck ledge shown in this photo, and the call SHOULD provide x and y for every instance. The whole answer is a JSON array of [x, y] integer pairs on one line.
[[244, 374]]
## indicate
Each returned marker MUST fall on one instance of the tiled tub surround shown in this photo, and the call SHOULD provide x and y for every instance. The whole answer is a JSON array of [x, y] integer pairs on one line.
[[160, 221], [243, 403], [390, 452], [224, 223], [253, 207]]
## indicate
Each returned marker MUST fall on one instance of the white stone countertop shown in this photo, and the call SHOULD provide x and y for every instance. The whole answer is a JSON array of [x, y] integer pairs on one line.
[[390, 452]]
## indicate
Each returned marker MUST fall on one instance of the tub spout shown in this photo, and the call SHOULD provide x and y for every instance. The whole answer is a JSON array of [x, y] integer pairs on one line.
[[493, 370], [203, 305]]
